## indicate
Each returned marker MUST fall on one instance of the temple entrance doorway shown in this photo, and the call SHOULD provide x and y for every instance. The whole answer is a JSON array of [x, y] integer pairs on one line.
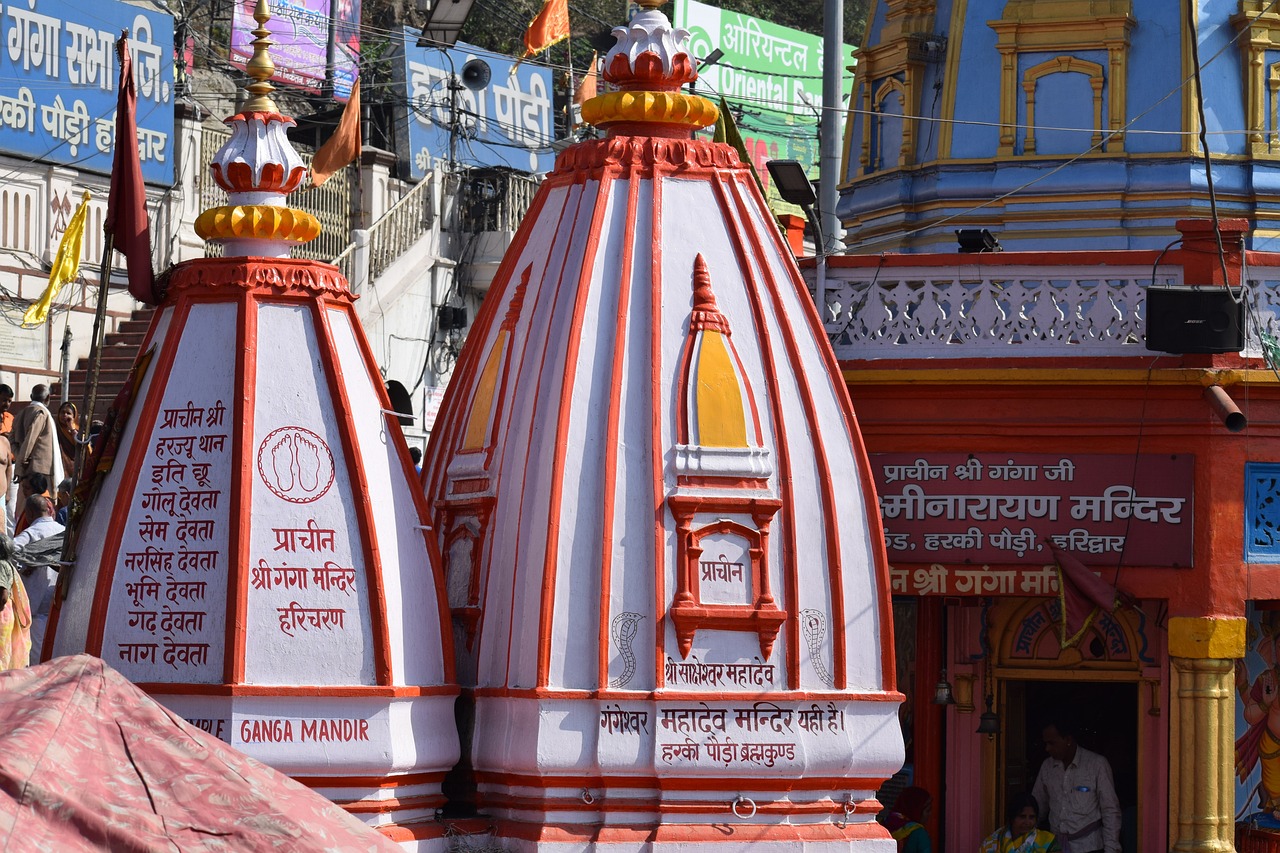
[[1106, 715]]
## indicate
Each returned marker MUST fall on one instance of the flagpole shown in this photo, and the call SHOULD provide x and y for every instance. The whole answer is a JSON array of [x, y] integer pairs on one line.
[[90, 393], [569, 124]]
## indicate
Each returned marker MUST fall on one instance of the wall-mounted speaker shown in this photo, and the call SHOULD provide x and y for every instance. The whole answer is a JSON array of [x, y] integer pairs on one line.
[[451, 318], [1190, 319]]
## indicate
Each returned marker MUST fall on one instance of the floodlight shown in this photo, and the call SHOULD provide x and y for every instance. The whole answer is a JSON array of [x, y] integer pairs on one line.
[[792, 182], [711, 58]]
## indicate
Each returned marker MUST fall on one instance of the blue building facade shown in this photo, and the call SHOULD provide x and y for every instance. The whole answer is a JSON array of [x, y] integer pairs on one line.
[[1061, 125]]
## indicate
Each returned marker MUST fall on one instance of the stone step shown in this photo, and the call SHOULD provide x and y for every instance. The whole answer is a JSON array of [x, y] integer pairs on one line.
[[119, 349]]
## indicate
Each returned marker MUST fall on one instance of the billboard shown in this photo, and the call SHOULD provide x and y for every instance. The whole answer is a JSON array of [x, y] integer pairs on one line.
[[58, 102], [780, 97], [506, 123], [301, 35]]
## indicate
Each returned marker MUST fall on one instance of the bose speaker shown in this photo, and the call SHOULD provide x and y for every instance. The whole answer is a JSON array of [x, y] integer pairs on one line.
[[1187, 319]]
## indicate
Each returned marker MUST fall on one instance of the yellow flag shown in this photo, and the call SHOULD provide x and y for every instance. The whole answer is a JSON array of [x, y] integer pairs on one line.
[[65, 266]]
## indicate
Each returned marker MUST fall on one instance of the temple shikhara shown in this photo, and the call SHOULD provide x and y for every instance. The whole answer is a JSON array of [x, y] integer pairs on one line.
[[643, 558], [668, 591], [255, 557]]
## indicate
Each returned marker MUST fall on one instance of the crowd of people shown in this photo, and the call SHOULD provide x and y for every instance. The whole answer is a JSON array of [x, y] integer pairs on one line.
[[38, 452]]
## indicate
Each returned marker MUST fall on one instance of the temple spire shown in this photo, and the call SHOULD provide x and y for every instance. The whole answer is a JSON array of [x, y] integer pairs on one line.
[[260, 67]]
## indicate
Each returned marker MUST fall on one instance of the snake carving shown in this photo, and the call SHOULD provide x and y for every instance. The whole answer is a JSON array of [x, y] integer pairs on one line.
[[624, 629], [813, 624]]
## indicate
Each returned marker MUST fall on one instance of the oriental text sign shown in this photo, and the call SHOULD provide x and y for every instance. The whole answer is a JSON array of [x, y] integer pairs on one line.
[[1006, 508]]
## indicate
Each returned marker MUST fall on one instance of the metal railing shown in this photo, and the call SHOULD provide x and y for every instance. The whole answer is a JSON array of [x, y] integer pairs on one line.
[[330, 203], [496, 199]]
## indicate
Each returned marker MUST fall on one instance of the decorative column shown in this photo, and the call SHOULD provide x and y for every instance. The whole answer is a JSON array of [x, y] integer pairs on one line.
[[1202, 732]]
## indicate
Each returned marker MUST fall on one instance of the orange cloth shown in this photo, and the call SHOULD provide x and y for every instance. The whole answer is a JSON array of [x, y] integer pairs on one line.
[[590, 85], [551, 26], [344, 146]]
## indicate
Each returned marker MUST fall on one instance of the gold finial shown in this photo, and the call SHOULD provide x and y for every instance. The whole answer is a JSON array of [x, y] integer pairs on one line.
[[260, 66], [650, 4]]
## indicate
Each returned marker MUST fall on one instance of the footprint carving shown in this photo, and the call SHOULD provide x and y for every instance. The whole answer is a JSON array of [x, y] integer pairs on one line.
[[308, 462], [282, 462], [296, 464]]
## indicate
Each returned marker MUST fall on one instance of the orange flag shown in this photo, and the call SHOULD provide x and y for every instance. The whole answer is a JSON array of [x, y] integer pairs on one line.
[[344, 146], [551, 26], [589, 87]]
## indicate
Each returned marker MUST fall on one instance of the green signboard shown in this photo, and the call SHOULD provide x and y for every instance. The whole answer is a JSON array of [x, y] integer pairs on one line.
[[772, 78]]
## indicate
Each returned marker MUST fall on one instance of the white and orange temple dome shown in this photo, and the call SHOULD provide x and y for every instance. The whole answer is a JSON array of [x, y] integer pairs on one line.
[[255, 556], [662, 552]]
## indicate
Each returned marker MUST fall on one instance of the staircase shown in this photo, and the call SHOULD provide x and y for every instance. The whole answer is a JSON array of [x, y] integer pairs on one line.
[[119, 350]]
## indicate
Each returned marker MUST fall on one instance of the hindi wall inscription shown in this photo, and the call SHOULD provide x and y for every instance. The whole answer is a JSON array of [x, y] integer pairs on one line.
[[59, 64], [169, 607], [1006, 508]]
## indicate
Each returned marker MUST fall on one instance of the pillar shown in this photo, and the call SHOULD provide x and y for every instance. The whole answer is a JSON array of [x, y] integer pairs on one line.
[[1199, 253], [1202, 732], [793, 225], [374, 190], [186, 204]]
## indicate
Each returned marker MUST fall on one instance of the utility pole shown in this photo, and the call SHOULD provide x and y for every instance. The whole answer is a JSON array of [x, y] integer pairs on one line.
[[832, 101]]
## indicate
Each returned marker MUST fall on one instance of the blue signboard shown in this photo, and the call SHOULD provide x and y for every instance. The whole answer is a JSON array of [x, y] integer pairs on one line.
[[508, 122], [58, 78]]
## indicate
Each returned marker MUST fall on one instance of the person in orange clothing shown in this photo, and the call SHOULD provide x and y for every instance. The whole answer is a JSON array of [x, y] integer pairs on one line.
[[15, 611], [6, 417]]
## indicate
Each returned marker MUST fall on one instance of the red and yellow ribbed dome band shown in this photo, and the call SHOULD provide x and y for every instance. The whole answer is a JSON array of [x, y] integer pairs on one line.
[[655, 107], [261, 221]]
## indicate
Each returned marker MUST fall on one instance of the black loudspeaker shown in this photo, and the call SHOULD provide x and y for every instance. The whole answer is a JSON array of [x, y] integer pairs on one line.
[[476, 74], [1194, 320]]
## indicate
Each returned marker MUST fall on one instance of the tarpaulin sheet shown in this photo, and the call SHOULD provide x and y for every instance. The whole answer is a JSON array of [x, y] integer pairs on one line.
[[88, 762]]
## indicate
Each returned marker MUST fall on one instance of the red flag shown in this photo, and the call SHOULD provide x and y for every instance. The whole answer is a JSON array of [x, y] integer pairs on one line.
[[344, 146], [551, 26], [127, 206], [1081, 594]]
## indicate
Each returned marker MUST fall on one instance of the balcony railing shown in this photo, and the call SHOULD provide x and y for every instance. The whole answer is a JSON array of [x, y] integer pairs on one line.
[[496, 199], [973, 310], [401, 226]]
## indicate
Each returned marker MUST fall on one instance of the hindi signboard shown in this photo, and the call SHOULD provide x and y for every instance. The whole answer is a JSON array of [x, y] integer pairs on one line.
[[773, 74], [301, 33], [506, 123], [955, 508], [58, 104]]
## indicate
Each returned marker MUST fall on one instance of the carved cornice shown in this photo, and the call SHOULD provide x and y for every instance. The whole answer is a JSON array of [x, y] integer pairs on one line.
[[263, 277], [630, 152]]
